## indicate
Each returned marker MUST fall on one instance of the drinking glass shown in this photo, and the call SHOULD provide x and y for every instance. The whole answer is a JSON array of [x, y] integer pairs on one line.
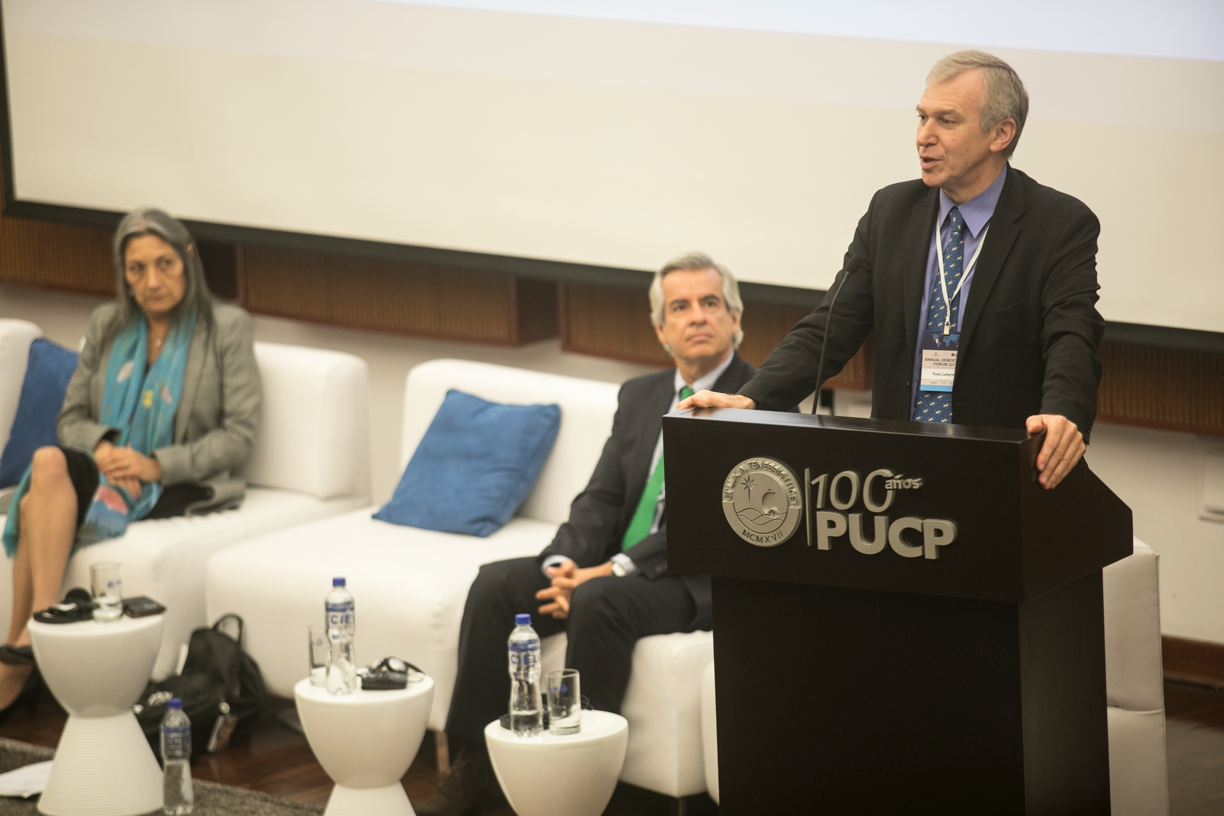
[[564, 702], [319, 654], [107, 589]]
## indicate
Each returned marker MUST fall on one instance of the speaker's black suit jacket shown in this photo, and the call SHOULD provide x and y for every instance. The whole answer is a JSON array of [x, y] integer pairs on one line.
[[1030, 328], [601, 513]]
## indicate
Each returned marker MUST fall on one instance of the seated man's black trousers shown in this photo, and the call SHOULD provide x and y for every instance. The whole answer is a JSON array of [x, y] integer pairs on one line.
[[607, 616]]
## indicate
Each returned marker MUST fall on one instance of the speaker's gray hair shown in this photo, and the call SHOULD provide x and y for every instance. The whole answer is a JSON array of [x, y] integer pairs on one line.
[[1004, 97]]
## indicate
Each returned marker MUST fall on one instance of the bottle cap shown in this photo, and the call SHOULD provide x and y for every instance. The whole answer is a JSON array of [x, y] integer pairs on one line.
[[175, 703], [522, 620], [337, 582]]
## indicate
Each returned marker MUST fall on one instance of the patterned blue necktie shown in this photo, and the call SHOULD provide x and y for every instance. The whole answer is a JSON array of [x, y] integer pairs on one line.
[[936, 406]]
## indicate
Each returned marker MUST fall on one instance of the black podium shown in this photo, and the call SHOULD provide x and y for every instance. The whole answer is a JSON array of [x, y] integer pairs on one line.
[[905, 622]]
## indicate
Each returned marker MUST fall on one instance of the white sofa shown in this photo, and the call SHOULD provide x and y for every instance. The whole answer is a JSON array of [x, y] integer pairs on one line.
[[311, 461], [1134, 689], [410, 585]]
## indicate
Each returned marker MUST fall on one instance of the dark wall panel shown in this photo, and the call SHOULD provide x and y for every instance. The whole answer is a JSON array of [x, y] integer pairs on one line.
[[380, 295]]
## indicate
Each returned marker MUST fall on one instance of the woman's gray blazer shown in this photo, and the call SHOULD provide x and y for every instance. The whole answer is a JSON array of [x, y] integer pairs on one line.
[[218, 415]]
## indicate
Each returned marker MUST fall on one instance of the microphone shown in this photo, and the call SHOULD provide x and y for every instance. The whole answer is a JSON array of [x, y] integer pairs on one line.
[[856, 263]]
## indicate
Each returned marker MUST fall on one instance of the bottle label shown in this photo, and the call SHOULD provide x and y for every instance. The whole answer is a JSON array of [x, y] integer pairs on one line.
[[525, 654], [339, 616], [176, 740]]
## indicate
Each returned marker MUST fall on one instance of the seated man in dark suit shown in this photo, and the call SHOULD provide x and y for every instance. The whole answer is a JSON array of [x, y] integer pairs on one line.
[[604, 578]]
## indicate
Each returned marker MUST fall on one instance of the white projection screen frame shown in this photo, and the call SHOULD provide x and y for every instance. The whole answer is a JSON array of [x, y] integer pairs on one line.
[[613, 135]]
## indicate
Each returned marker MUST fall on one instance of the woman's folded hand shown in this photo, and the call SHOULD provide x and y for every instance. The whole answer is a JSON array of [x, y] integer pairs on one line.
[[130, 483], [127, 463], [103, 454]]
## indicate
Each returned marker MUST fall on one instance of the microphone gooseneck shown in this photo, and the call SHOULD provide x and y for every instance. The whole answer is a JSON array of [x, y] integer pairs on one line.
[[851, 268]]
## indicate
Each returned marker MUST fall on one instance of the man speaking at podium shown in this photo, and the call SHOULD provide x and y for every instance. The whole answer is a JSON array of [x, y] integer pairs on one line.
[[604, 578], [979, 283]]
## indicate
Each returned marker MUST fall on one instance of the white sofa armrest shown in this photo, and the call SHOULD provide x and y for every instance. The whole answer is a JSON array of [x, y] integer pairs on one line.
[[314, 436], [1134, 677]]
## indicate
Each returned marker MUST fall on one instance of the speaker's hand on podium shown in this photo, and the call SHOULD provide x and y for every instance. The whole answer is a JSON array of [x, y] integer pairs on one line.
[[1064, 447], [713, 399]]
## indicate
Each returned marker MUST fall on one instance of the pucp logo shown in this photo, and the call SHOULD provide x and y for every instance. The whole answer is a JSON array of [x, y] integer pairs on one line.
[[844, 490], [761, 501]]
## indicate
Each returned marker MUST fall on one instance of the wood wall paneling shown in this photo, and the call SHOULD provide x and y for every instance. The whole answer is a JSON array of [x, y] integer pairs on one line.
[[396, 297], [56, 256], [1162, 388], [221, 268], [606, 321], [535, 314], [766, 325]]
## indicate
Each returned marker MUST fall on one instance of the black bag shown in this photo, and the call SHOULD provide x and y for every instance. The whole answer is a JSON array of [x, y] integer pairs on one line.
[[221, 689]]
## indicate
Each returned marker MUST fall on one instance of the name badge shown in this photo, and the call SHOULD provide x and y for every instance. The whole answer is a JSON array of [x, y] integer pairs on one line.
[[938, 361]]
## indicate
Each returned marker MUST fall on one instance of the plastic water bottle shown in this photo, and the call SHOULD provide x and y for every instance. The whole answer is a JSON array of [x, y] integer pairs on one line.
[[526, 714], [341, 625], [176, 753]]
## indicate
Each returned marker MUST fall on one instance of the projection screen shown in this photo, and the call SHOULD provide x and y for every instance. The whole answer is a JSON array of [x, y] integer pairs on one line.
[[615, 134]]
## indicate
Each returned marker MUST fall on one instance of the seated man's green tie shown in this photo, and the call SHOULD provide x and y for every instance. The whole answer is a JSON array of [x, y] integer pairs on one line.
[[643, 516]]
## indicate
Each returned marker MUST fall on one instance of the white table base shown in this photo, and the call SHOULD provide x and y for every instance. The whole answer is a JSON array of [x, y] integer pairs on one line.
[[103, 767], [548, 775], [103, 764], [365, 741], [388, 801]]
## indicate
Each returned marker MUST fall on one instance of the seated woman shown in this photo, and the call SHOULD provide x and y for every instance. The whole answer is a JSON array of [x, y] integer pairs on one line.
[[158, 420]]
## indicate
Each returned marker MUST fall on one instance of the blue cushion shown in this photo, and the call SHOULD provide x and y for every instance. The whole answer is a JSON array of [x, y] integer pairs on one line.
[[474, 466], [42, 395]]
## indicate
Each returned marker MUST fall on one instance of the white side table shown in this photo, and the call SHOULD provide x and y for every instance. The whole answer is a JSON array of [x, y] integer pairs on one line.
[[103, 765], [365, 741], [548, 775]]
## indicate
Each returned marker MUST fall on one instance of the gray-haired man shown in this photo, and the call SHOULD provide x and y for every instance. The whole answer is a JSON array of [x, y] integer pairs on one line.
[[979, 284], [604, 578]]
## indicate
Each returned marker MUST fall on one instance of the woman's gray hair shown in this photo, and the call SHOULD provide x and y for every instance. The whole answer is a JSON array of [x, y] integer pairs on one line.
[[695, 262], [1004, 97], [152, 221]]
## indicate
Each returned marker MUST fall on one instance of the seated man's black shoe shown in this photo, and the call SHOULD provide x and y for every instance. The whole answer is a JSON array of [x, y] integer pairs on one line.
[[470, 788]]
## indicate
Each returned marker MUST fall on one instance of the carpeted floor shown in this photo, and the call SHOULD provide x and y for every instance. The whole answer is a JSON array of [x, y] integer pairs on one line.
[[211, 799]]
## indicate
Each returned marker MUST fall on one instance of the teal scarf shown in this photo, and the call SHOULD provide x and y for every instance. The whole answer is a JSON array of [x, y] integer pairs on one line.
[[141, 401]]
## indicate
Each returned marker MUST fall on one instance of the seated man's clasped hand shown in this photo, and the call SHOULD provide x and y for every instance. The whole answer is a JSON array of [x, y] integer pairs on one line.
[[566, 577]]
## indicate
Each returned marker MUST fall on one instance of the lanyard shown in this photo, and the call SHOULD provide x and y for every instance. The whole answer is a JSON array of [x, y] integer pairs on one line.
[[943, 280]]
